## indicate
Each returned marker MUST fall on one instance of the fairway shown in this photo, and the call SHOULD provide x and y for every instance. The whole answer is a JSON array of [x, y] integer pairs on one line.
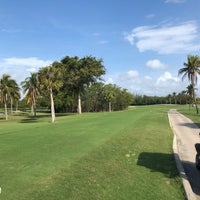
[[118, 155]]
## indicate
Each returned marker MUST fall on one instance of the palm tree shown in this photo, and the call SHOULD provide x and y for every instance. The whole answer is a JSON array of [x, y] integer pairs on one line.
[[190, 93], [49, 80], [191, 70], [30, 87], [174, 96], [109, 95], [169, 98], [7, 86], [14, 94], [16, 98]]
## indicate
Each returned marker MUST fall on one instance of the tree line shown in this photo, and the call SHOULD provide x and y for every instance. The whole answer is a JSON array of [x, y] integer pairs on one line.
[[191, 70], [75, 84], [174, 98], [71, 85]]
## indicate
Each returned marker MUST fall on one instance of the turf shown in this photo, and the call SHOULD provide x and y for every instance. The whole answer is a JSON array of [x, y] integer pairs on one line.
[[118, 155]]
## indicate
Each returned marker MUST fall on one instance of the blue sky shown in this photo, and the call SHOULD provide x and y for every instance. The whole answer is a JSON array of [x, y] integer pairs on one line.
[[143, 42]]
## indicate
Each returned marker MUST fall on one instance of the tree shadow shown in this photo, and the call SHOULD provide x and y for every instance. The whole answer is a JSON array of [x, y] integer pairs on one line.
[[29, 120], [159, 162], [191, 125], [40, 117], [193, 175], [165, 163]]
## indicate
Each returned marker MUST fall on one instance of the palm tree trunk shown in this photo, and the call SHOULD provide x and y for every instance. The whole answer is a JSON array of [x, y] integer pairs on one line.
[[195, 102], [17, 106], [6, 112], [11, 105], [52, 106], [79, 103], [109, 106], [194, 96], [34, 106], [32, 109]]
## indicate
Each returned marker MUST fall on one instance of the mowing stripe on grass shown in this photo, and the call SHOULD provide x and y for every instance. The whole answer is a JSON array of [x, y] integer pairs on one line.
[[119, 155]]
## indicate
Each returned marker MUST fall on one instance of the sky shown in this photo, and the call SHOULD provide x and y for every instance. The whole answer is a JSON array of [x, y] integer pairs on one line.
[[143, 43]]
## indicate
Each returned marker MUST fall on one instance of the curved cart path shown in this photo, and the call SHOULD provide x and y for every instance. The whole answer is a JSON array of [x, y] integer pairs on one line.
[[186, 135]]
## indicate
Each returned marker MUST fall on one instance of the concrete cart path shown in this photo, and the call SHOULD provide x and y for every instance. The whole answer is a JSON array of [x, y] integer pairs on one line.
[[187, 134]]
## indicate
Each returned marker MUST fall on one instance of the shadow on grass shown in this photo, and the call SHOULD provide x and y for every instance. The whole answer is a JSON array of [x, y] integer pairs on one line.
[[40, 117], [159, 162], [29, 120]]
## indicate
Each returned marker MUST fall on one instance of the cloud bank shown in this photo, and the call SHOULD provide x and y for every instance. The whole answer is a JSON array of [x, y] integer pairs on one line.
[[20, 68], [166, 39], [156, 65], [163, 85]]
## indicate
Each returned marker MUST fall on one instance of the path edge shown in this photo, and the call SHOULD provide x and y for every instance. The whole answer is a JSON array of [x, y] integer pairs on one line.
[[186, 185]]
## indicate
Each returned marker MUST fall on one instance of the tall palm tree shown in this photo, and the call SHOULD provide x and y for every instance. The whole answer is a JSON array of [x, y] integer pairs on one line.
[[109, 95], [14, 94], [30, 87], [7, 86], [190, 93], [191, 70], [174, 96], [16, 98], [169, 96], [49, 80]]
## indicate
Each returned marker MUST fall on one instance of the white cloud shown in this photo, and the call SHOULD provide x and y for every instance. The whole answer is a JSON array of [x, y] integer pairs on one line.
[[147, 85], [166, 39], [175, 1], [20, 68], [31, 61], [109, 81], [166, 77], [132, 74], [156, 64]]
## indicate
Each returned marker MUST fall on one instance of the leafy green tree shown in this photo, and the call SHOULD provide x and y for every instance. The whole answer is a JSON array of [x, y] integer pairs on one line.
[[7, 88], [31, 89], [82, 72], [93, 98], [190, 70], [50, 79]]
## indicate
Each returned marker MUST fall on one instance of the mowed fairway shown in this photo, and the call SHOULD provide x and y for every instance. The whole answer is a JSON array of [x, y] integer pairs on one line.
[[119, 155]]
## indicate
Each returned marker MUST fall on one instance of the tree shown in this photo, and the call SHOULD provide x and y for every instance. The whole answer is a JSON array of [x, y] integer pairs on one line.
[[174, 96], [14, 95], [7, 87], [191, 70], [169, 98], [82, 72], [31, 88], [50, 79], [190, 93], [109, 95]]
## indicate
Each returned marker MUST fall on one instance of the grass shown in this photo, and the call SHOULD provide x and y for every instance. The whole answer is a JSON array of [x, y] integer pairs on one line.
[[119, 155], [190, 113]]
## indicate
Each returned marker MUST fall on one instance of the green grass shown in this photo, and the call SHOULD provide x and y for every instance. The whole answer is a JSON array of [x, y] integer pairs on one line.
[[119, 155], [190, 113]]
